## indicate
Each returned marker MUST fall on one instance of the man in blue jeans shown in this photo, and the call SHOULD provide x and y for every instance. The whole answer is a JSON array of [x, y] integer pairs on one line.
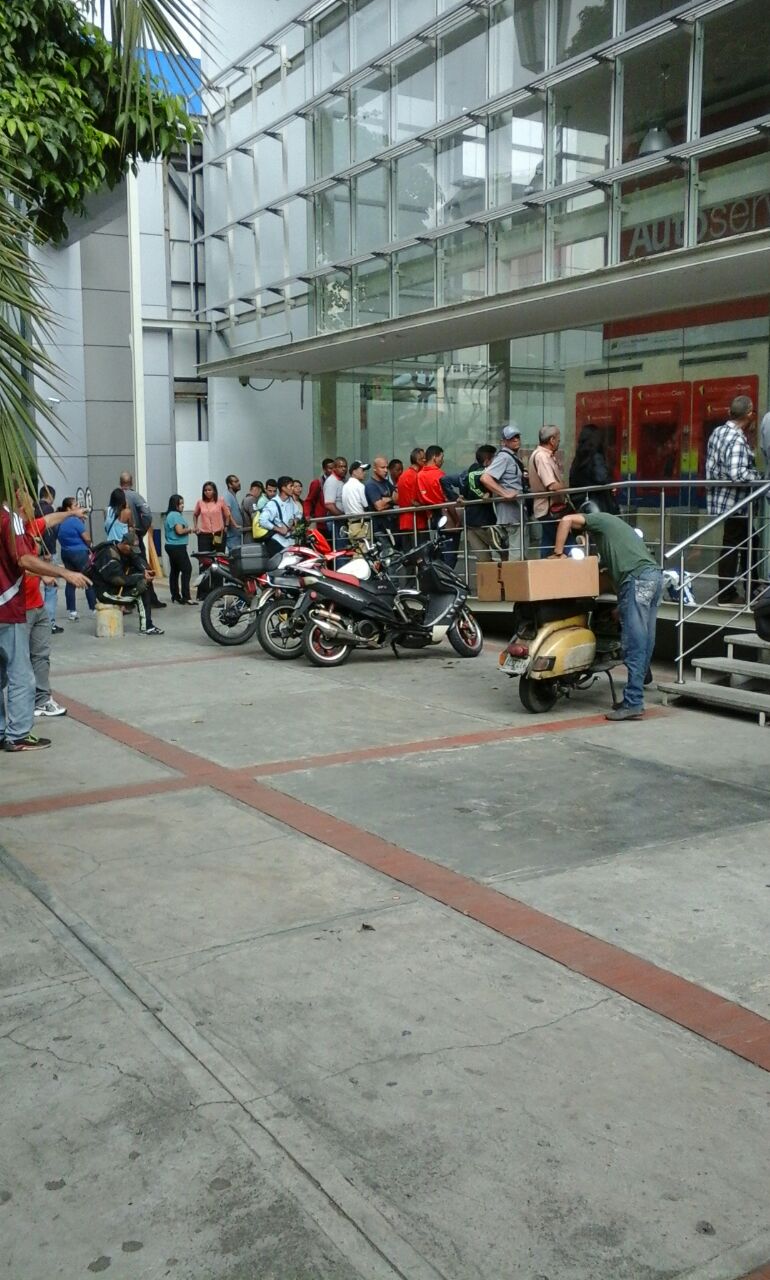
[[639, 584], [17, 680]]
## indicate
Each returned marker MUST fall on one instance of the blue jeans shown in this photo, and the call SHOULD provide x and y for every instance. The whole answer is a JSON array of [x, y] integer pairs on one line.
[[17, 682], [77, 563], [50, 598], [638, 600]]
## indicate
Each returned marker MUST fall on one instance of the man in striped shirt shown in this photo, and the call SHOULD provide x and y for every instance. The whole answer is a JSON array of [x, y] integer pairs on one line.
[[729, 458]]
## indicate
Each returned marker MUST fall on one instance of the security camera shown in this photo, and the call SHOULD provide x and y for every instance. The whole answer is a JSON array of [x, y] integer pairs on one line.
[[243, 380]]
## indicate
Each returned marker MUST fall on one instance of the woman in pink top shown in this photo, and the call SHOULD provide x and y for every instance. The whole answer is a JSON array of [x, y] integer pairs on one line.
[[210, 516]]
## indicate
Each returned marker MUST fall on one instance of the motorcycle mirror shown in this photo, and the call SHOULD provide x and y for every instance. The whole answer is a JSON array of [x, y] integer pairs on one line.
[[443, 522]]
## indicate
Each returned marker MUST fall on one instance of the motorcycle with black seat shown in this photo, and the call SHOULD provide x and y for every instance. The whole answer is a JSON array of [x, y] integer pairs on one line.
[[342, 613]]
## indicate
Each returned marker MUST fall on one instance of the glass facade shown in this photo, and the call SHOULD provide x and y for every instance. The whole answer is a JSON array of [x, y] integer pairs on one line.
[[382, 158], [395, 121]]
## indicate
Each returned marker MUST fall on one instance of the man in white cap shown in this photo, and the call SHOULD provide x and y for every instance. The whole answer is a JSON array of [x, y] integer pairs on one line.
[[354, 500], [504, 479]]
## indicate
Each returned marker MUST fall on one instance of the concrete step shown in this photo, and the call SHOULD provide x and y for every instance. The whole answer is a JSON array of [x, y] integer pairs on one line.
[[719, 695], [734, 667], [745, 640]]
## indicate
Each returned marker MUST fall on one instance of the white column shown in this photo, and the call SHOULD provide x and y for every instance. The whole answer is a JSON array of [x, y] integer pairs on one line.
[[135, 335]]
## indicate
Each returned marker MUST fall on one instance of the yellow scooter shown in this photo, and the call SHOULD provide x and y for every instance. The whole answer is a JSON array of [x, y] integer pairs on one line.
[[562, 645]]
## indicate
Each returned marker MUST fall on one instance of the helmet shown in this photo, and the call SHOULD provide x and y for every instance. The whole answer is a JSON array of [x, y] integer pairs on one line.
[[590, 508]]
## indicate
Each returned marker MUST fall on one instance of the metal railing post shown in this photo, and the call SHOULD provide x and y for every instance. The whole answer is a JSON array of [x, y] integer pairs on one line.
[[680, 624], [522, 529], [662, 526], [750, 555], [465, 547]]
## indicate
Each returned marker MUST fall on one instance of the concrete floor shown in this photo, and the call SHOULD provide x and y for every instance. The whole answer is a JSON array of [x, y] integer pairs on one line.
[[254, 1026]]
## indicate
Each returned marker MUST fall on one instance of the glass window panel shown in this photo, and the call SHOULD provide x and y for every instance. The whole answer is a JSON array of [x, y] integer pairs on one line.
[[516, 152], [580, 226], [371, 30], [581, 117], [296, 138], [332, 136], [372, 200], [580, 24], [270, 232], [371, 292], [332, 224], [652, 213], [517, 43], [297, 214], [415, 279], [269, 91], [415, 94], [462, 163], [655, 80], [518, 250], [333, 302], [733, 196], [330, 47], [462, 262], [411, 14], [415, 192], [639, 11], [299, 68], [736, 83], [370, 106], [462, 67], [269, 169]]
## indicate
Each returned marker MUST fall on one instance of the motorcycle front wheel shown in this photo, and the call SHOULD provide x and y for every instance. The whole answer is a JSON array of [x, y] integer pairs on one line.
[[537, 696], [227, 616], [323, 650], [465, 635], [276, 630]]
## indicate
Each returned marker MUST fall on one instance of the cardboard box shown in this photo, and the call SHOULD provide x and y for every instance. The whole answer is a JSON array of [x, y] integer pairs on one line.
[[488, 586], [550, 579]]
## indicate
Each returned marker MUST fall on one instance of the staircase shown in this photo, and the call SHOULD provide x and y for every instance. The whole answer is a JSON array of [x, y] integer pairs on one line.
[[740, 684]]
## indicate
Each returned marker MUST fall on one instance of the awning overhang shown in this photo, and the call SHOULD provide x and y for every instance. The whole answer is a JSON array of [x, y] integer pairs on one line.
[[726, 271]]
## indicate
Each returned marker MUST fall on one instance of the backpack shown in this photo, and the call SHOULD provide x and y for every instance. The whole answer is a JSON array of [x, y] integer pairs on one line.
[[257, 529]]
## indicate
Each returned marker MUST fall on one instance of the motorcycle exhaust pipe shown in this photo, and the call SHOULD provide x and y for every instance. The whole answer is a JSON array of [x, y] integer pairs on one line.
[[327, 623]]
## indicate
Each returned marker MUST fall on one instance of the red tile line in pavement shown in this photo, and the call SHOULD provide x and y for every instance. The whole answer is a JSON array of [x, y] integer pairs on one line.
[[152, 662], [762, 1274], [721, 1021]]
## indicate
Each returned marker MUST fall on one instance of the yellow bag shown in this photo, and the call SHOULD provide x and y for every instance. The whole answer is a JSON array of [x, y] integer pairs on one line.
[[257, 531]]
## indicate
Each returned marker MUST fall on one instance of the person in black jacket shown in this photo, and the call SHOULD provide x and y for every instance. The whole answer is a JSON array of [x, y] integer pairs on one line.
[[589, 467]]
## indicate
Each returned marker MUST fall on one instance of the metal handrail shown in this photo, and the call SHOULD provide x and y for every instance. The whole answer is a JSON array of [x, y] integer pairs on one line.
[[713, 524]]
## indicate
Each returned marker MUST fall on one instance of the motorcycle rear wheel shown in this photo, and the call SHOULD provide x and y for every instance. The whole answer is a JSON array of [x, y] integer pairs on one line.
[[323, 650], [275, 616], [465, 635], [537, 696], [227, 616]]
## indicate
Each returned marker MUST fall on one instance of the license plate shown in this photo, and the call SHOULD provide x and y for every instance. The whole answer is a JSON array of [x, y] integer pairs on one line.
[[514, 666]]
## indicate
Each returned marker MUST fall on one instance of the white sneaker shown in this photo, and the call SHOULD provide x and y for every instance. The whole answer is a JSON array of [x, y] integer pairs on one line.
[[73, 617], [50, 708]]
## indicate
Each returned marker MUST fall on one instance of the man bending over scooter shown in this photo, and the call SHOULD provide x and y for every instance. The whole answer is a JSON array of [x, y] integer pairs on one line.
[[639, 584]]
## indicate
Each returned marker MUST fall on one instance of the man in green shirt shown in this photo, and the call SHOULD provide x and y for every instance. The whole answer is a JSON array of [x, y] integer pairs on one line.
[[639, 584]]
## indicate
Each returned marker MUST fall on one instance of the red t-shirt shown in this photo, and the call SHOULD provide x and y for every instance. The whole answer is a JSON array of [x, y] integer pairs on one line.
[[429, 488], [13, 543], [33, 595], [407, 496]]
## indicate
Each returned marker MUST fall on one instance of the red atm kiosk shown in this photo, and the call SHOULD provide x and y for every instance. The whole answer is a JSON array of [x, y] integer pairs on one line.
[[711, 401], [607, 410], [660, 423]]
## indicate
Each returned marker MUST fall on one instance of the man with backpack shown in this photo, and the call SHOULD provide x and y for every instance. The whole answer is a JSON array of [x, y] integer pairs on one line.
[[141, 516], [480, 516], [279, 516], [506, 480]]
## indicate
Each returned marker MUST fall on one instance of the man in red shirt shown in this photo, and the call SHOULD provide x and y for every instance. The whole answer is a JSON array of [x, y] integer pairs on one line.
[[430, 491], [407, 496], [314, 504], [17, 680]]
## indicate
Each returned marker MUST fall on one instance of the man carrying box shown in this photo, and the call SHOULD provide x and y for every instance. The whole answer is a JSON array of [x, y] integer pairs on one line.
[[639, 584]]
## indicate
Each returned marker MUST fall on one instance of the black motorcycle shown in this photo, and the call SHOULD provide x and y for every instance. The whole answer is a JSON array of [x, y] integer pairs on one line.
[[341, 613]]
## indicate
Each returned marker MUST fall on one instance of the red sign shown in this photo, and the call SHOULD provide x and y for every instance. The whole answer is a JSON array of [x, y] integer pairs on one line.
[[607, 410]]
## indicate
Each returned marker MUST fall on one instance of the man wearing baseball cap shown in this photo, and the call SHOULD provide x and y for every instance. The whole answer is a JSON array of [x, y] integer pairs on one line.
[[504, 479], [354, 500]]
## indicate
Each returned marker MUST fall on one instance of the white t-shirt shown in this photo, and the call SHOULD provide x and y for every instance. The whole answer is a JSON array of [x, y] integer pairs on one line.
[[353, 497], [333, 490]]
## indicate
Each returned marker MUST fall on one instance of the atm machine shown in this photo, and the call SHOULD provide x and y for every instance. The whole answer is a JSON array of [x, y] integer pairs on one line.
[[711, 400], [608, 411], [660, 426]]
